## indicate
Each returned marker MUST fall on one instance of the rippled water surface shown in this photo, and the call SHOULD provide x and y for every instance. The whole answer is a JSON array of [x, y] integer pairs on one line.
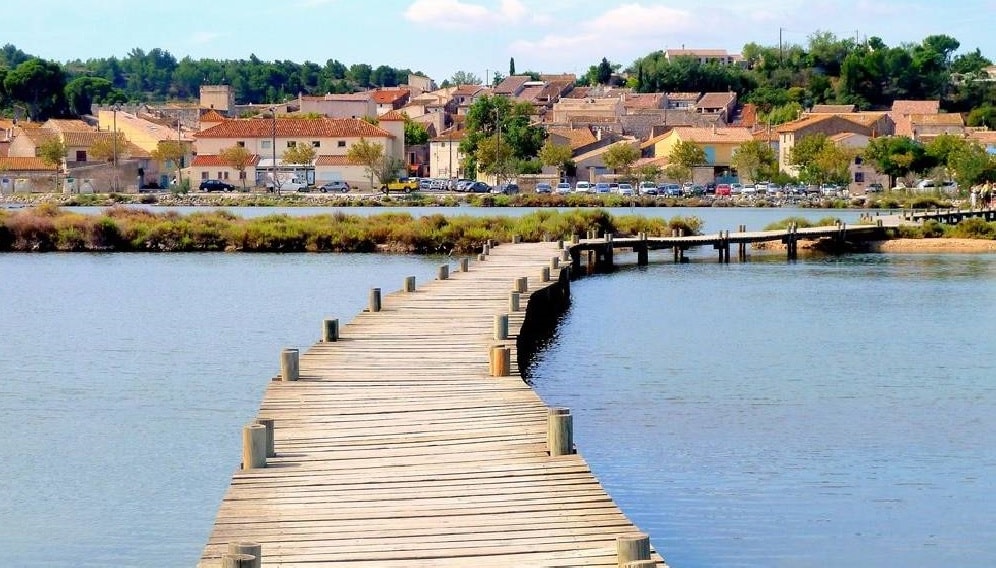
[[826, 412]]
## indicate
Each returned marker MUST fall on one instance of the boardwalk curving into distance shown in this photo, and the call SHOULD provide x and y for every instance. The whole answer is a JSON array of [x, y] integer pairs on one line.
[[396, 445]]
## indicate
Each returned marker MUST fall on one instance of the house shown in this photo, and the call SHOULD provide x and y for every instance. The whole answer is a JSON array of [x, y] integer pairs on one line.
[[721, 104], [860, 174], [27, 138], [870, 124], [445, 157], [420, 84], [591, 164], [570, 110], [579, 139], [61, 125], [902, 110], [925, 127], [681, 101], [706, 56], [349, 105], [270, 137], [465, 95], [833, 109], [210, 118], [388, 99], [642, 101], [512, 85], [204, 167], [719, 145], [987, 138], [220, 98]]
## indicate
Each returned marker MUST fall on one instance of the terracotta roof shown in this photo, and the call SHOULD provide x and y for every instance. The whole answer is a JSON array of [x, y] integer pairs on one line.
[[212, 115], [577, 137], [68, 125], [468, 90], [363, 96], [584, 118], [531, 93], [390, 96], [334, 161], [683, 96], [766, 135], [659, 161], [716, 100], [983, 136], [85, 139], [600, 150], [942, 119], [294, 128], [748, 115], [916, 107], [832, 109], [133, 151], [579, 93], [699, 135], [394, 115], [36, 135], [213, 160], [643, 100], [25, 165], [866, 119], [843, 136], [509, 85], [451, 134]]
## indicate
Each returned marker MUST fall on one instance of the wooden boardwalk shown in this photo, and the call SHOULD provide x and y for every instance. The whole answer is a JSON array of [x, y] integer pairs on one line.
[[397, 448]]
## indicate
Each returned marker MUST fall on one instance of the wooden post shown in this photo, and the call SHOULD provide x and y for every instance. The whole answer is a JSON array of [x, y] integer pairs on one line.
[[642, 255], [521, 285], [253, 549], [501, 327], [487, 249], [575, 239], [443, 273], [330, 330], [565, 255], [482, 257], [513, 301], [631, 547], [268, 424], [501, 361], [545, 274], [253, 447], [409, 284], [560, 244], [229, 560], [559, 432], [374, 303], [608, 237], [290, 365], [464, 264], [555, 263], [641, 564], [516, 239]]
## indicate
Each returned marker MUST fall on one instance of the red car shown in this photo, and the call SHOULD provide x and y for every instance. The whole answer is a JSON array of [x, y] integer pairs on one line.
[[723, 189]]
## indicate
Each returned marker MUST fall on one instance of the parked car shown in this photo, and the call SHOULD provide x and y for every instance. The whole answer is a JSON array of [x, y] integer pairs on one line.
[[288, 185], [625, 189], [507, 188], [736, 189], [749, 189], [216, 185], [648, 188], [543, 187], [669, 189], [437, 185], [874, 188], [478, 187], [723, 190], [582, 187], [563, 187], [337, 186], [424, 183], [602, 187], [405, 185]]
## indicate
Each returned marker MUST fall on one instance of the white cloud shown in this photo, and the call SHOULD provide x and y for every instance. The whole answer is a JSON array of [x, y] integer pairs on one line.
[[466, 15], [201, 38]]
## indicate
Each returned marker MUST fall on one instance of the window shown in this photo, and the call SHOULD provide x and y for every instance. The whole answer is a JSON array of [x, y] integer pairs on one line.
[[859, 177], [80, 155], [242, 174], [222, 175], [291, 143], [341, 144], [316, 143], [857, 160], [241, 143], [265, 144], [204, 175]]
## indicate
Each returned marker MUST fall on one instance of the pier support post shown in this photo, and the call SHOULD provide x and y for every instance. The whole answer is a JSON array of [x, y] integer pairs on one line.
[[555, 263], [521, 285], [253, 549], [290, 365], [268, 424], [330, 330], [545, 274], [560, 244], [642, 255], [559, 432], [513, 301], [565, 255], [443, 273], [575, 239], [373, 305], [632, 547], [464, 264], [501, 361], [487, 249], [409, 284], [230, 560], [482, 257], [516, 239], [253, 447], [501, 327]]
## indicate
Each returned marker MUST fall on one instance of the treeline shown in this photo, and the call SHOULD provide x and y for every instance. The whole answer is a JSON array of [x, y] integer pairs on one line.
[[43, 89], [831, 70]]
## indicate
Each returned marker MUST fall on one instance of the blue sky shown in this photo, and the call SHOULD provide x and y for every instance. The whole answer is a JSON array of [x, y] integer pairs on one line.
[[440, 37]]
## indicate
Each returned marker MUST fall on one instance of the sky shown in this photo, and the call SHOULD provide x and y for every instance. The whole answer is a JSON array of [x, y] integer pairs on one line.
[[440, 37]]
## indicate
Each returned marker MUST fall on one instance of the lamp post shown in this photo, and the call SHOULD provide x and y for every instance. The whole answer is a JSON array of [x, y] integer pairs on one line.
[[498, 167], [114, 158], [273, 148]]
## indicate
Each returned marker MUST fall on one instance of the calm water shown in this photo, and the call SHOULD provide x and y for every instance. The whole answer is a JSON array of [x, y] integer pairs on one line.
[[766, 414]]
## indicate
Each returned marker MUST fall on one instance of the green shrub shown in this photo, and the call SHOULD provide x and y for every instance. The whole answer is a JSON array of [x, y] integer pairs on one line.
[[931, 229], [974, 228]]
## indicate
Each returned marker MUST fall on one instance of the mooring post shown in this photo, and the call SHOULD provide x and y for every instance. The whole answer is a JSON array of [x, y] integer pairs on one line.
[[501, 361], [253, 549], [559, 432], [482, 257], [726, 247], [290, 365], [560, 244], [443, 273], [464, 264], [575, 239], [486, 249], [545, 274], [642, 254], [501, 327], [513, 301], [555, 263], [631, 547], [409, 284], [516, 239], [373, 304], [230, 560], [253, 447], [521, 285], [330, 330], [268, 424], [565, 255]]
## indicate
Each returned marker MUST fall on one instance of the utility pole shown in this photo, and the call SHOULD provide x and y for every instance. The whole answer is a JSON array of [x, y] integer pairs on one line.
[[780, 56]]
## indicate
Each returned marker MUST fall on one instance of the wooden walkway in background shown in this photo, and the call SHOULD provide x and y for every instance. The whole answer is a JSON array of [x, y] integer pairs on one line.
[[397, 448]]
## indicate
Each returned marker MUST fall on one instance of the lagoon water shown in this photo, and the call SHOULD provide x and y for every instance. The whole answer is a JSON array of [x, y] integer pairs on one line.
[[821, 412]]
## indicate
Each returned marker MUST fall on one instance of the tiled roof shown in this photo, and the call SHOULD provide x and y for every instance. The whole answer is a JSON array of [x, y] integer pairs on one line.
[[732, 135], [212, 115], [394, 115], [600, 150], [715, 100], [843, 136], [509, 85], [213, 161], [68, 125], [659, 161], [531, 94], [36, 135], [85, 139], [866, 119], [295, 128], [916, 107], [468, 90], [683, 96], [350, 97], [643, 100], [334, 161], [25, 165], [579, 93], [748, 115], [133, 151], [389, 96], [942, 119], [983, 136], [577, 137], [832, 109]]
